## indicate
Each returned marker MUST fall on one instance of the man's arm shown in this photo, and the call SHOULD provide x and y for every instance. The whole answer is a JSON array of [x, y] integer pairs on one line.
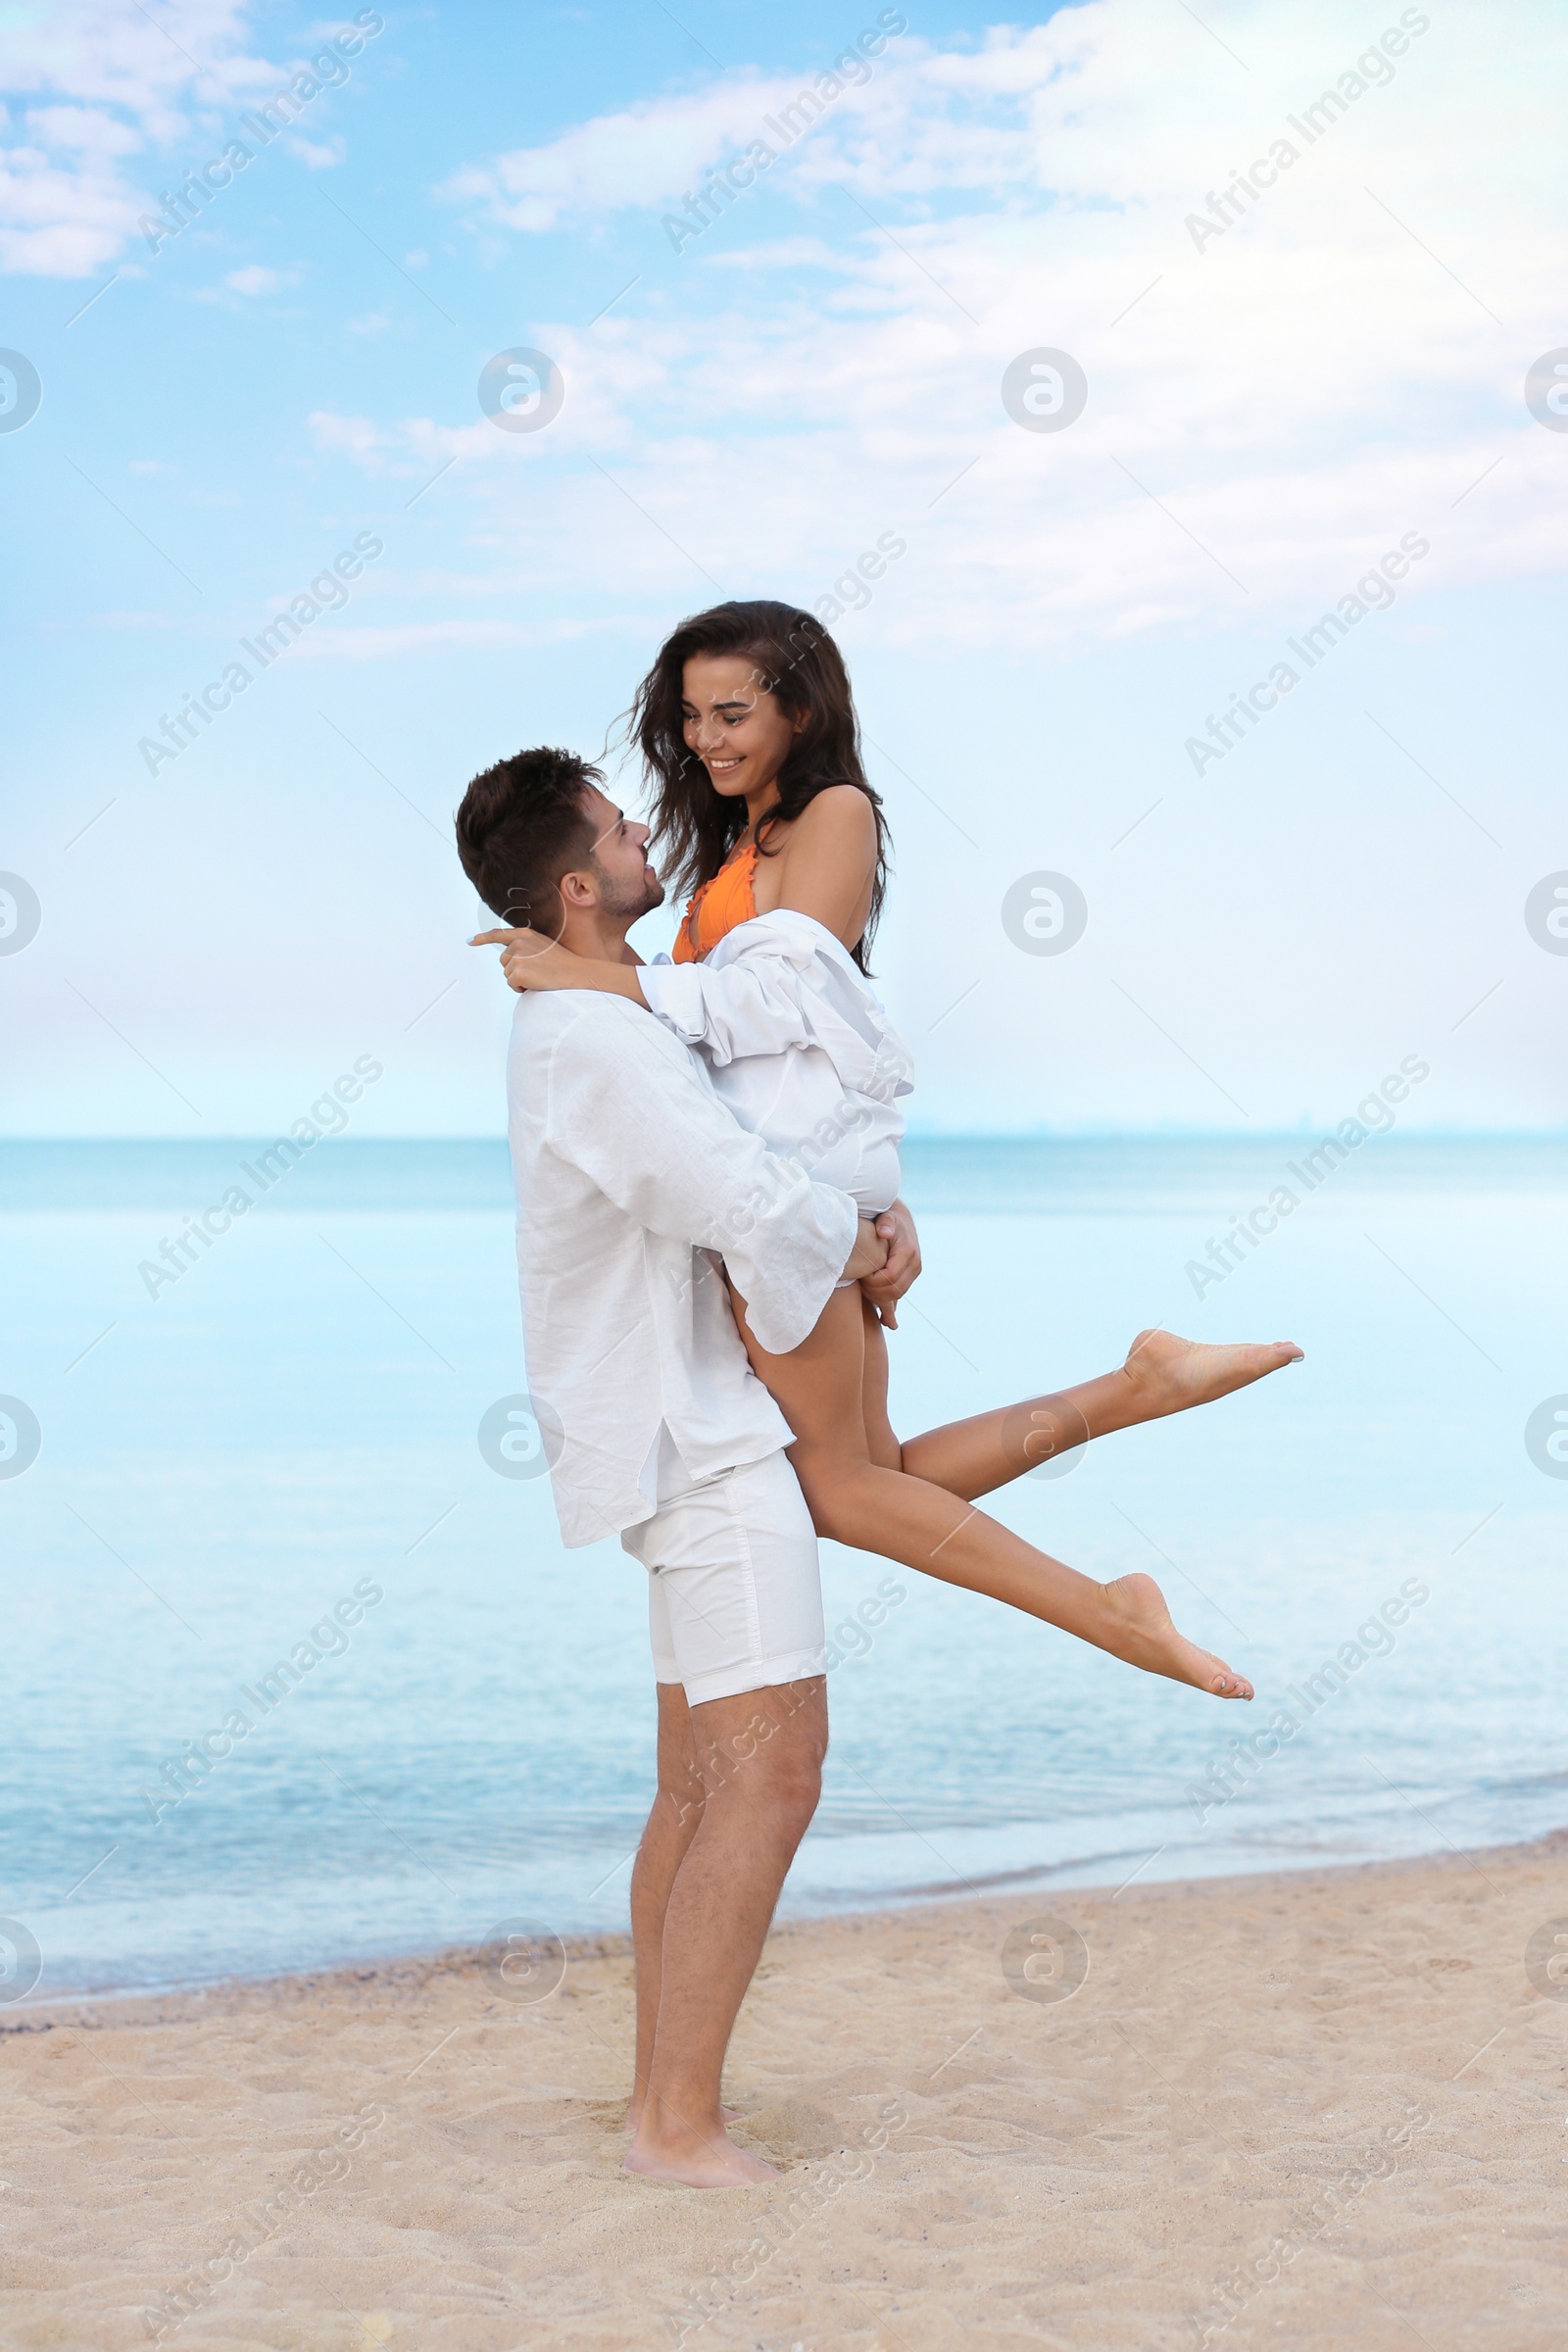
[[632, 1108]]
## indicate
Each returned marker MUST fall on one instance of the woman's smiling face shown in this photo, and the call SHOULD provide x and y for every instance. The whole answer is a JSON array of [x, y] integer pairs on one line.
[[734, 724]]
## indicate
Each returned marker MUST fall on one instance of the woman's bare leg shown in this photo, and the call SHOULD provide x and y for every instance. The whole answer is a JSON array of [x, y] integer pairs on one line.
[[1162, 1375], [821, 1390], [881, 1444]]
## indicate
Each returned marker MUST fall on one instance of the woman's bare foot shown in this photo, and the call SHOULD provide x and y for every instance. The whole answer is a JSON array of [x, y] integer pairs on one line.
[[1173, 1373], [693, 2161], [1141, 1633]]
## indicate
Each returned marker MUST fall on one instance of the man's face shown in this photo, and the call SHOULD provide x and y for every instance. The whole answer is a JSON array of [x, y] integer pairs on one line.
[[626, 884]]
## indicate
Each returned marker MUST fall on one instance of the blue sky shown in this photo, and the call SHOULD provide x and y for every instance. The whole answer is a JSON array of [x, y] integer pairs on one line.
[[1287, 384]]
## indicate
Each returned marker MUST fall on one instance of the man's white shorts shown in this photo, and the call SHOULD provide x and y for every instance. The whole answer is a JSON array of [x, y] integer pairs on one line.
[[734, 1584]]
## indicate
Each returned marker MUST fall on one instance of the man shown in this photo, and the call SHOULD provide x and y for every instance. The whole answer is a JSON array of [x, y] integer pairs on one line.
[[632, 1180], [633, 1183]]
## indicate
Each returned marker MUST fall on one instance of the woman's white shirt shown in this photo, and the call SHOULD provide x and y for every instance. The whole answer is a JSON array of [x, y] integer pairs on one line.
[[800, 1048]]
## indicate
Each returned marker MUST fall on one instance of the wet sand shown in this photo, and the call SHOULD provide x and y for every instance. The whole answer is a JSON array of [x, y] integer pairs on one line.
[[1326, 2109]]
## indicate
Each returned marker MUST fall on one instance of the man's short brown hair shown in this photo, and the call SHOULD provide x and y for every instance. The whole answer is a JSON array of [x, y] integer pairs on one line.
[[522, 826]]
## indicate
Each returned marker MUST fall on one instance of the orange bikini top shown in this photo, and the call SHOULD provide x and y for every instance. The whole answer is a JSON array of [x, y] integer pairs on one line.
[[724, 900]]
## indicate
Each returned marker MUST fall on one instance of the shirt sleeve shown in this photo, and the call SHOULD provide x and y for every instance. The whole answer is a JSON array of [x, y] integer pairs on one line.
[[631, 1106], [775, 991]]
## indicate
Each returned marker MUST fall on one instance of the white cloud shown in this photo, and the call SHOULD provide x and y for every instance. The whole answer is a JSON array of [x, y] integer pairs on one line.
[[395, 640], [1272, 402], [918, 120], [60, 221], [115, 84], [643, 155], [100, 53], [82, 129], [403, 451], [353, 437], [254, 279], [319, 155], [123, 86]]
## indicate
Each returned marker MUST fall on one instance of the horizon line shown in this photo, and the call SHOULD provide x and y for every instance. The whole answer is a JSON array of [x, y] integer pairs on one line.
[[915, 1136]]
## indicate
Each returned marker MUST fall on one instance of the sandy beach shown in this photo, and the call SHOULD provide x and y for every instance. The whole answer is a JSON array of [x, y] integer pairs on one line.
[[1321, 2109]]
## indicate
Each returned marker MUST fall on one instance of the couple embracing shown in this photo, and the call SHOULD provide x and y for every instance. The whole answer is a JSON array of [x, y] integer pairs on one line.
[[712, 1249]]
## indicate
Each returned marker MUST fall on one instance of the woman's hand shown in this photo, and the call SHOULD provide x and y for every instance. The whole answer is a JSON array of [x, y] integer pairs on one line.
[[531, 961], [902, 1267], [869, 1253]]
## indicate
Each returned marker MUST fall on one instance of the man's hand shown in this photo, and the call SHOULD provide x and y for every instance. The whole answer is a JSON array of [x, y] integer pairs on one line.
[[869, 1253], [529, 959], [901, 1266]]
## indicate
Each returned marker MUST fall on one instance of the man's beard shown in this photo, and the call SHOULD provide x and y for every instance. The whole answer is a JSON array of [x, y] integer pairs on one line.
[[626, 903]]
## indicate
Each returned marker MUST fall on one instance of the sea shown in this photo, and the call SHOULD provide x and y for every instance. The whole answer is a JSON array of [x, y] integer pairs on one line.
[[309, 1449]]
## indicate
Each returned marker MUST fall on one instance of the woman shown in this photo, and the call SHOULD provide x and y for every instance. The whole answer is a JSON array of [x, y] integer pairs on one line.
[[748, 729]]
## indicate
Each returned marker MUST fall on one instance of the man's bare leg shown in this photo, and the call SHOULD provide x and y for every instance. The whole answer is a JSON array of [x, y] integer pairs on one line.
[[673, 1823], [760, 1759]]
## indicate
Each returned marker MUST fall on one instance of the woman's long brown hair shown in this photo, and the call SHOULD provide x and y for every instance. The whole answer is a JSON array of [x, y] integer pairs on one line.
[[695, 827]]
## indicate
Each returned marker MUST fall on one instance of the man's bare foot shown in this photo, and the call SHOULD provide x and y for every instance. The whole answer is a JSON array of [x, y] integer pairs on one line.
[[695, 2162], [1141, 1634], [1173, 1373]]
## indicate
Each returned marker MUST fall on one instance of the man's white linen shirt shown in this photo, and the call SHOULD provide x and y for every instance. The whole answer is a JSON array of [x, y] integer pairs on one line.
[[632, 1181]]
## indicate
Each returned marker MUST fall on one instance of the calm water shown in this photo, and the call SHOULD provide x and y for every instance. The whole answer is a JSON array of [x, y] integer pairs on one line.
[[298, 1415]]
